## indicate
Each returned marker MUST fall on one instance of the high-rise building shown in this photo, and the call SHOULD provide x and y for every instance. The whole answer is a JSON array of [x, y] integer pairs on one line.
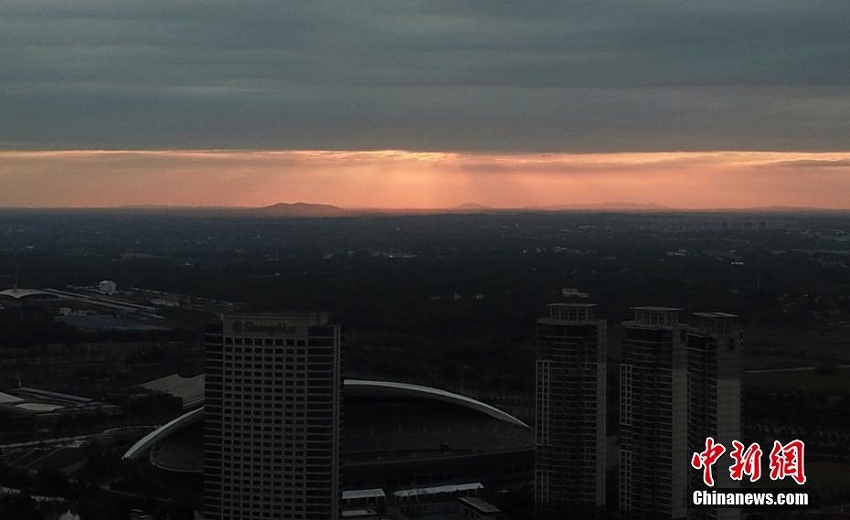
[[570, 408], [654, 416], [714, 398], [272, 423]]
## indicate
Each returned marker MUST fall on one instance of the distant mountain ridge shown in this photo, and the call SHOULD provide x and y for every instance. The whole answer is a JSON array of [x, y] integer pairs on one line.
[[607, 206], [301, 209], [306, 209], [472, 206]]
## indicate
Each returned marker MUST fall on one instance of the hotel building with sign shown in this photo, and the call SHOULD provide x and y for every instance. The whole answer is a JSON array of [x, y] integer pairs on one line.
[[272, 421]]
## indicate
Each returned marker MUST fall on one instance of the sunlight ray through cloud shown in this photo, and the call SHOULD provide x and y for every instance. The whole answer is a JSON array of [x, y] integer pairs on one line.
[[418, 180]]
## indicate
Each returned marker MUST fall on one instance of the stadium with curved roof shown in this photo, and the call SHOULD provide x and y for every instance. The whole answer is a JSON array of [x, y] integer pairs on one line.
[[395, 435]]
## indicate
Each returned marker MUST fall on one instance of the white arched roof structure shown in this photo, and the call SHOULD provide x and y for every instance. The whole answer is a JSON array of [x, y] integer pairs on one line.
[[393, 389], [352, 387], [173, 426]]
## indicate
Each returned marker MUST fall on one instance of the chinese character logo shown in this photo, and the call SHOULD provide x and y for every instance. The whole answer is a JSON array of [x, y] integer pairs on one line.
[[747, 462], [706, 459], [785, 460]]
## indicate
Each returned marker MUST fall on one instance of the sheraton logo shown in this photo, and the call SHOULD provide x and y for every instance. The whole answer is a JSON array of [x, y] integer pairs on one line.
[[249, 327]]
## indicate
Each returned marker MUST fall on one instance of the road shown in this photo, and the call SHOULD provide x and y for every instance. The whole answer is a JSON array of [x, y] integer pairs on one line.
[[794, 369]]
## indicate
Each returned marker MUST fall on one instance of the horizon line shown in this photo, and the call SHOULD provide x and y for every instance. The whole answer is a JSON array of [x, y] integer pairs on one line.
[[408, 181], [440, 151], [608, 206]]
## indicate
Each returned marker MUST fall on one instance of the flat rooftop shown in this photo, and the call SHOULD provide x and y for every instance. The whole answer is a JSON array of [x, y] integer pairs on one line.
[[105, 322], [314, 318], [436, 490], [656, 308], [715, 315], [482, 506], [34, 401], [190, 389], [353, 494]]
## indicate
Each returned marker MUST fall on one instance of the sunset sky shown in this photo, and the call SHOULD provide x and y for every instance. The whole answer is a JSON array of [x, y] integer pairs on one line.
[[424, 103]]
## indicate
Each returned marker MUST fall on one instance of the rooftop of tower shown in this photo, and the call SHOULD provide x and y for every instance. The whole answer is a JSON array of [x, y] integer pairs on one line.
[[571, 311], [656, 316], [714, 322]]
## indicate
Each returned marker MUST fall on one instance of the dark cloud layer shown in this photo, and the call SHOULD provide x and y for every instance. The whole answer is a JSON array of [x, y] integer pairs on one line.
[[425, 75]]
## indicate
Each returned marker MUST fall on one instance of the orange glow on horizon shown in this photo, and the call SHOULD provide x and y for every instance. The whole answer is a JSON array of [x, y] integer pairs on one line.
[[422, 180]]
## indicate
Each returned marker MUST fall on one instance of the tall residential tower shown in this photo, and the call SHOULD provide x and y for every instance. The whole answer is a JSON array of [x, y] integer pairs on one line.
[[654, 416], [570, 409], [714, 397], [272, 424]]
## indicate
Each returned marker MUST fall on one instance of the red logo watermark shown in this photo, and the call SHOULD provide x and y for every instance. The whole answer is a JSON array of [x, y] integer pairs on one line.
[[706, 459], [785, 460]]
